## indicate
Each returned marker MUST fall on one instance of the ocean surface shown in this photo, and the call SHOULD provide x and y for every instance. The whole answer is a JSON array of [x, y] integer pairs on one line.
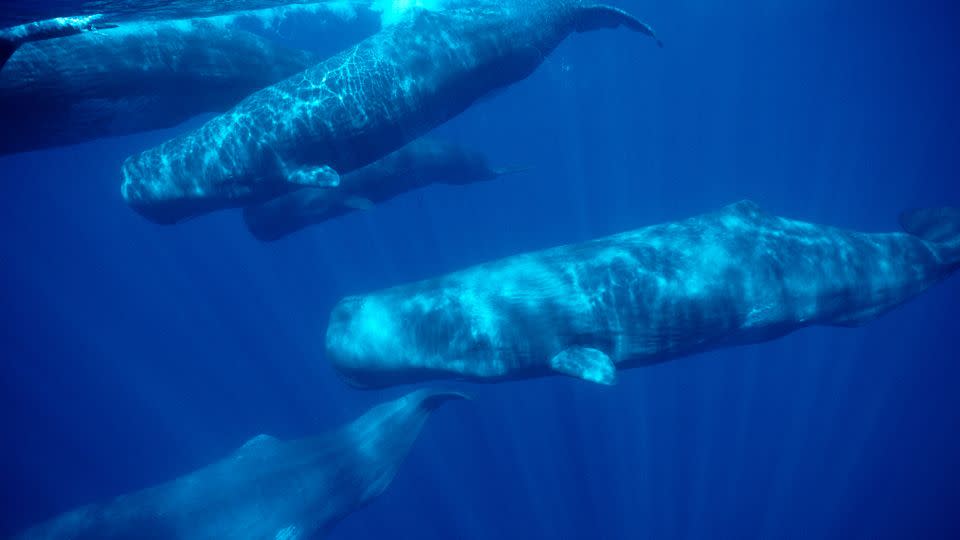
[[133, 353]]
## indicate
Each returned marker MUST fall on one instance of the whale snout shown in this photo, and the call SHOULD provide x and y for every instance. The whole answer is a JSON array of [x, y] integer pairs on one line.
[[364, 339], [395, 338]]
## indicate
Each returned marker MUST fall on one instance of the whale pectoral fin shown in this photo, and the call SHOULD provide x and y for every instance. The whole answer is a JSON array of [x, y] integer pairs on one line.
[[585, 363], [322, 176], [358, 203], [7, 48], [599, 17]]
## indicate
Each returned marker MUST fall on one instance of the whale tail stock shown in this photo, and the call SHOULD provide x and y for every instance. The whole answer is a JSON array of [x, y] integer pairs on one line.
[[597, 17], [939, 226]]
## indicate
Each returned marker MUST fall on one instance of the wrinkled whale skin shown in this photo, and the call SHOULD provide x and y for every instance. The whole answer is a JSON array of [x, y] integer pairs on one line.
[[354, 108], [731, 277], [132, 78]]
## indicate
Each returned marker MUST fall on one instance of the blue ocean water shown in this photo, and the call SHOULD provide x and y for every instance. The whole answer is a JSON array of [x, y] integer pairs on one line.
[[133, 353]]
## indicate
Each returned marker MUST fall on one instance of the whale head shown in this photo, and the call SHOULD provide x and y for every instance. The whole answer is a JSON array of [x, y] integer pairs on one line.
[[394, 338]]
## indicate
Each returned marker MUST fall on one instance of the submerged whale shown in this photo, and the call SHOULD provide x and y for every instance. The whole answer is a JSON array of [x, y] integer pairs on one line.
[[420, 163], [135, 77], [267, 489], [127, 10], [732, 277], [356, 107], [12, 38]]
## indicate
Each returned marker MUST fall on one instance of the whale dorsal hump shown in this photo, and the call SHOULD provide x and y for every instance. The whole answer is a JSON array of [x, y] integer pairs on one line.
[[259, 445], [933, 224], [585, 363], [258, 441], [746, 210], [598, 17]]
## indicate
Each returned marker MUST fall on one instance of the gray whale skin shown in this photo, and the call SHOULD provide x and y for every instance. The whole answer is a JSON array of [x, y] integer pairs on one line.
[[731, 277], [132, 78], [355, 107], [266, 490], [12, 38]]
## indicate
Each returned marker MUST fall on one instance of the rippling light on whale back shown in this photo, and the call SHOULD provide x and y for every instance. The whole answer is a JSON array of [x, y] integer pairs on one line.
[[732, 277], [355, 107]]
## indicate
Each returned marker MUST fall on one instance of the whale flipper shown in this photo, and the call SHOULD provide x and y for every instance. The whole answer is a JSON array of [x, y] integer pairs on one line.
[[599, 17], [585, 363], [322, 176]]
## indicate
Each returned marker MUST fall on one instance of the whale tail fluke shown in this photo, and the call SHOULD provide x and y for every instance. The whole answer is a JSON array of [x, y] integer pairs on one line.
[[937, 225], [598, 17]]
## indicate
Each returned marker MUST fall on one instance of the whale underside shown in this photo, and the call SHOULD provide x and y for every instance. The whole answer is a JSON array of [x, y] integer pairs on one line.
[[732, 277], [267, 489]]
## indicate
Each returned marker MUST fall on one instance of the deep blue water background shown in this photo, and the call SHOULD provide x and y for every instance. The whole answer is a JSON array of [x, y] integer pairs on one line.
[[133, 353]]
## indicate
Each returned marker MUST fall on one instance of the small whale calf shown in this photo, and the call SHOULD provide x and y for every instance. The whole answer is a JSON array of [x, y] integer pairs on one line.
[[267, 489], [134, 77], [356, 107], [420, 163], [732, 277]]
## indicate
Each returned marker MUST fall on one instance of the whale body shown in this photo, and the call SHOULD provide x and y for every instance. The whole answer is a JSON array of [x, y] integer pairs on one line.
[[141, 10], [267, 489], [13, 37], [132, 78], [355, 107], [732, 277], [420, 163]]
